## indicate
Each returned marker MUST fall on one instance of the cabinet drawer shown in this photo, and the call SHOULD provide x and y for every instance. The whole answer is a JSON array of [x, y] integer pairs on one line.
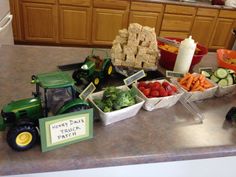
[[180, 9], [112, 4], [207, 12], [42, 1], [181, 35], [147, 7], [227, 14], [76, 2], [172, 22]]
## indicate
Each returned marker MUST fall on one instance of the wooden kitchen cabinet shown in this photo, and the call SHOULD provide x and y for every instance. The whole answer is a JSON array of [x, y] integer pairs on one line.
[[16, 22], [177, 21], [146, 14], [203, 25], [221, 36], [109, 16], [75, 22], [40, 21]]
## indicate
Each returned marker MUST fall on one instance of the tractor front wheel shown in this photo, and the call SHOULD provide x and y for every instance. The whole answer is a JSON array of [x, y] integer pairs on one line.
[[22, 137], [108, 69], [96, 81]]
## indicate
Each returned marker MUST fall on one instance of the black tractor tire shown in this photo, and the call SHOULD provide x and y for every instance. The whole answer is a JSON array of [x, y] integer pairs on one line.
[[22, 137], [108, 69], [77, 108], [96, 81]]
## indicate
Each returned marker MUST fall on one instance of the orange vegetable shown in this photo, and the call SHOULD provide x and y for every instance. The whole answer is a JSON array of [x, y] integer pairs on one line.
[[194, 82]]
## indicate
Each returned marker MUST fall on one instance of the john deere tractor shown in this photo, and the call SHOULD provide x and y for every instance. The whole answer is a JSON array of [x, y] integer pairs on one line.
[[55, 94], [93, 69]]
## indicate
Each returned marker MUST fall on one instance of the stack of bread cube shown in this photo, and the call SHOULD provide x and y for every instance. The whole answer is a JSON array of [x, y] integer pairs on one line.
[[135, 47]]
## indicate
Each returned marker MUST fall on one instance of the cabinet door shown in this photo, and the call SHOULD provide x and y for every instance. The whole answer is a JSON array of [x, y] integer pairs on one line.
[[15, 10], [222, 33], [146, 19], [40, 22], [75, 24], [106, 24], [202, 29]]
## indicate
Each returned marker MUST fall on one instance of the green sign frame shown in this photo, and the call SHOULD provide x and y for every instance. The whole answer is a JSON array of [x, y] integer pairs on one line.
[[65, 129]]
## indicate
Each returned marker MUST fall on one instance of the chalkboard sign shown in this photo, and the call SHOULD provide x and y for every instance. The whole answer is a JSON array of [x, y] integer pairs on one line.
[[87, 91], [138, 75], [174, 74], [65, 129]]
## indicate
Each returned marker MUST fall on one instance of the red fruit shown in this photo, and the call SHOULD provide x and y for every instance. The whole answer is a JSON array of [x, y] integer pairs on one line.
[[150, 85], [154, 93], [142, 84], [147, 91], [168, 88], [141, 88], [163, 92], [173, 88], [165, 84], [156, 86]]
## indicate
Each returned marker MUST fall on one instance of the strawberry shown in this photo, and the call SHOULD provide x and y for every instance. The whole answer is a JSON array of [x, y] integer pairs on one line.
[[165, 84], [142, 84], [156, 86], [154, 93], [146, 91], [173, 88], [141, 88], [163, 92]]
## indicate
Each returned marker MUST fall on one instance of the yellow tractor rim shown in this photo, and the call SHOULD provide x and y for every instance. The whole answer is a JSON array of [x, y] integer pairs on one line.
[[109, 70], [24, 138], [96, 81]]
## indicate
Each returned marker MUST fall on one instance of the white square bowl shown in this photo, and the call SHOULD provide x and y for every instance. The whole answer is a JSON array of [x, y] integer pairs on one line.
[[117, 115], [159, 102], [221, 91], [198, 95]]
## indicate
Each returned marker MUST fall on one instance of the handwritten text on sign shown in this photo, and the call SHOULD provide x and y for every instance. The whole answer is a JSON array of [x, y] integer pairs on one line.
[[67, 129]]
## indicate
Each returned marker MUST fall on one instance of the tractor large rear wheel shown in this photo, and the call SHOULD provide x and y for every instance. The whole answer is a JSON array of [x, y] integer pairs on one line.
[[22, 137]]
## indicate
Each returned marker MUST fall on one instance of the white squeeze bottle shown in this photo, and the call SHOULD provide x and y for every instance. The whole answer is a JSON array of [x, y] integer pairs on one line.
[[185, 54]]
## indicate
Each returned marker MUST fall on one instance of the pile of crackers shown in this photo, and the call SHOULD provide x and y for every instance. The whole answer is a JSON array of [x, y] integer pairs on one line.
[[135, 47]]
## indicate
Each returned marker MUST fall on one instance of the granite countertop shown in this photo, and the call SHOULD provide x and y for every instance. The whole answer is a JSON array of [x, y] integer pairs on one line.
[[163, 135], [198, 3]]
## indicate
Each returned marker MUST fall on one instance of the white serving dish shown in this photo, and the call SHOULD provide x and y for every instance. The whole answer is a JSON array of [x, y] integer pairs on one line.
[[118, 115], [221, 91], [198, 95], [159, 102]]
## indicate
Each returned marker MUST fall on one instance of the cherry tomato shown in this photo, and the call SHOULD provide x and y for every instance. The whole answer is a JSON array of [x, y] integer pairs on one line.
[[147, 91], [154, 93]]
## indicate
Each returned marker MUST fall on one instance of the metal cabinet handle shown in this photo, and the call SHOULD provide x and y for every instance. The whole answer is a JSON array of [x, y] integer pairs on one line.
[[10, 17]]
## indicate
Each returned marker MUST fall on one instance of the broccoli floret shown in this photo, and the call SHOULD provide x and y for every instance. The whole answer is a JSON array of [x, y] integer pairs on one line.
[[124, 99]]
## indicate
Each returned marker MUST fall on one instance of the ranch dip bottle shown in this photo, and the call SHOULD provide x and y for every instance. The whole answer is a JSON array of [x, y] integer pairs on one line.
[[185, 54]]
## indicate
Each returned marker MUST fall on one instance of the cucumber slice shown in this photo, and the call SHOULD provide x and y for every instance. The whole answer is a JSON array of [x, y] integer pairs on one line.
[[214, 78], [206, 74], [230, 79], [223, 82], [221, 73]]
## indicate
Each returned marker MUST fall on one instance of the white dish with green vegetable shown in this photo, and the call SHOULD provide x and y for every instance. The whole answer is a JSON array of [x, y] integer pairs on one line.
[[225, 78], [115, 104]]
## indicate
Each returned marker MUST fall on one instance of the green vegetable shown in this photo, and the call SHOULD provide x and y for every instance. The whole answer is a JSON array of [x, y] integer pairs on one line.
[[230, 79], [221, 73], [223, 82], [214, 78], [205, 73], [115, 99]]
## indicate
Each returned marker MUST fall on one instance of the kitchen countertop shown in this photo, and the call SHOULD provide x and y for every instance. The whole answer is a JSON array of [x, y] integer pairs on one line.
[[163, 135]]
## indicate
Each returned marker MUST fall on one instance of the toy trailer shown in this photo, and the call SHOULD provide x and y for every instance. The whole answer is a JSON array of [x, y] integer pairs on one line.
[[55, 94]]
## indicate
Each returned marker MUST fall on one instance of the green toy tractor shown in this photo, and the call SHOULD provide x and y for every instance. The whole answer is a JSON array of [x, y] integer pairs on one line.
[[93, 69], [55, 94]]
